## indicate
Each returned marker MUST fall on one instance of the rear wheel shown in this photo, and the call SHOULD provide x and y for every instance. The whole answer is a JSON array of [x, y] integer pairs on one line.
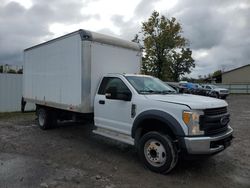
[[46, 119], [158, 152]]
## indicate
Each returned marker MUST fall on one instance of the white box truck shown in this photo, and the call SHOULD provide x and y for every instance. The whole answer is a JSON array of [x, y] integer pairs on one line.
[[85, 73]]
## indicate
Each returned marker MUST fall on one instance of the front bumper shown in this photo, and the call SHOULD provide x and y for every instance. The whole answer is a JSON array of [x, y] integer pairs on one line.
[[224, 94], [208, 144]]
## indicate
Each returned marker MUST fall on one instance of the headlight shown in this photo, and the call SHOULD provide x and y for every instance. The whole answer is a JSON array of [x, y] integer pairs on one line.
[[191, 119]]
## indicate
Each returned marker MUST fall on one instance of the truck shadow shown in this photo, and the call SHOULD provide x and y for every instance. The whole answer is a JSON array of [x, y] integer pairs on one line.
[[112, 150]]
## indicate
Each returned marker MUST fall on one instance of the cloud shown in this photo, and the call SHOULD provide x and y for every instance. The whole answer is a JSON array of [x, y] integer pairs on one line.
[[145, 8], [17, 30], [220, 28], [218, 31], [107, 31], [128, 28], [22, 28]]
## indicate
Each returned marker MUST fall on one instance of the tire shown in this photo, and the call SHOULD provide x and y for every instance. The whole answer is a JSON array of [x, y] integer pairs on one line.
[[45, 118], [158, 152], [224, 97], [217, 95]]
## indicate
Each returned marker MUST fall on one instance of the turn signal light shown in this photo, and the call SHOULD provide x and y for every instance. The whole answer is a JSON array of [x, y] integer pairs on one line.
[[186, 117]]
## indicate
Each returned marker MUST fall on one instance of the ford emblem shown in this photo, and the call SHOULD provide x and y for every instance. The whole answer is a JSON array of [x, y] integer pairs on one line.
[[224, 120]]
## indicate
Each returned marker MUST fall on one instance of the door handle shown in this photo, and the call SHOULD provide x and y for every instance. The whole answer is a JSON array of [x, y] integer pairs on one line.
[[101, 102]]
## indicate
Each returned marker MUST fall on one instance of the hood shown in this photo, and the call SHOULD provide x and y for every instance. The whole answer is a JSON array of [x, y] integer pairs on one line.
[[193, 101], [219, 88]]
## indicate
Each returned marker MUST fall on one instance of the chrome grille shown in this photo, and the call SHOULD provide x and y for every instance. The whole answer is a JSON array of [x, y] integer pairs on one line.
[[211, 122], [215, 111]]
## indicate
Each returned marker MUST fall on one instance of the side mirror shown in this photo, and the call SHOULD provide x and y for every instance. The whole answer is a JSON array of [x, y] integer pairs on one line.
[[112, 93]]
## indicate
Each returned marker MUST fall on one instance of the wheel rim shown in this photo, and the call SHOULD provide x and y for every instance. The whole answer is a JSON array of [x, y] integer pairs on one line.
[[155, 153], [41, 118]]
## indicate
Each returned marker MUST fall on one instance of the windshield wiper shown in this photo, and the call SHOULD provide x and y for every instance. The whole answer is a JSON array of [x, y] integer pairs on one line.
[[168, 91], [147, 91], [157, 92]]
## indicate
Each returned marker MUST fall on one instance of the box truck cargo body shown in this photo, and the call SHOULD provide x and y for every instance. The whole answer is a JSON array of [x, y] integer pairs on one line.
[[65, 72]]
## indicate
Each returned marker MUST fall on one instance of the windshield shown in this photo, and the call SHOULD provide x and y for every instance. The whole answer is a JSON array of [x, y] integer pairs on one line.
[[213, 86], [149, 85]]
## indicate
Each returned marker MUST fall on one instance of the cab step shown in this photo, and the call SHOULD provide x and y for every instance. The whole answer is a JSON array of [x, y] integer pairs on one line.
[[114, 135]]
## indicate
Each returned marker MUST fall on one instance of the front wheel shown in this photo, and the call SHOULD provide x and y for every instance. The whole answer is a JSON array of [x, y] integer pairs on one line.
[[158, 152], [217, 95], [223, 97]]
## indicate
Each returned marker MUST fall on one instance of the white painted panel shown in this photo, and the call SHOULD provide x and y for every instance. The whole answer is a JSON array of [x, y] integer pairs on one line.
[[111, 59], [11, 93], [66, 72], [52, 72]]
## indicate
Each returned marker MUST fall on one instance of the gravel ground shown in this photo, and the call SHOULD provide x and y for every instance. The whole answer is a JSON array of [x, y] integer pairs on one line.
[[71, 156]]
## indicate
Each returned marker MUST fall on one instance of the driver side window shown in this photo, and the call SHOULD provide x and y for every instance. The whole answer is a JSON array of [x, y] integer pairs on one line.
[[108, 82]]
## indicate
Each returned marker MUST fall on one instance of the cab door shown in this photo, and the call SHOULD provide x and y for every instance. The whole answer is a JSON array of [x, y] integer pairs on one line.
[[115, 113]]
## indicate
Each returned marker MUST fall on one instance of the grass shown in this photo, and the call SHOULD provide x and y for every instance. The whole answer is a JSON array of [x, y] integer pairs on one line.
[[8, 115]]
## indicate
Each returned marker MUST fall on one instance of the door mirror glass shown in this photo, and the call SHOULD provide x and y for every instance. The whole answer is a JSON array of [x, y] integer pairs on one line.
[[112, 93]]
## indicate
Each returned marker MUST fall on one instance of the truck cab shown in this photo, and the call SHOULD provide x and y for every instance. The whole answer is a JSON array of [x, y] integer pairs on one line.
[[145, 112]]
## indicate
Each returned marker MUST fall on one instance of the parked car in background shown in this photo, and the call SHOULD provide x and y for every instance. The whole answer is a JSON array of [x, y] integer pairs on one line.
[[193, 88], [188, 87], [215, 91], [199, 90], [178, 88], [204, 90]]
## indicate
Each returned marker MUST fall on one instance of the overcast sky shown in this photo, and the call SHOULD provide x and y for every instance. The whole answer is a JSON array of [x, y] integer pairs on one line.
[[218, 30]]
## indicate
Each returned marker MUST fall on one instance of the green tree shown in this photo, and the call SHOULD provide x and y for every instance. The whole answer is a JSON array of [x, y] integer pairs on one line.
[[11, 71], [165, 55], [182, 63], [1, 68], [136, 38], [217, 73]]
